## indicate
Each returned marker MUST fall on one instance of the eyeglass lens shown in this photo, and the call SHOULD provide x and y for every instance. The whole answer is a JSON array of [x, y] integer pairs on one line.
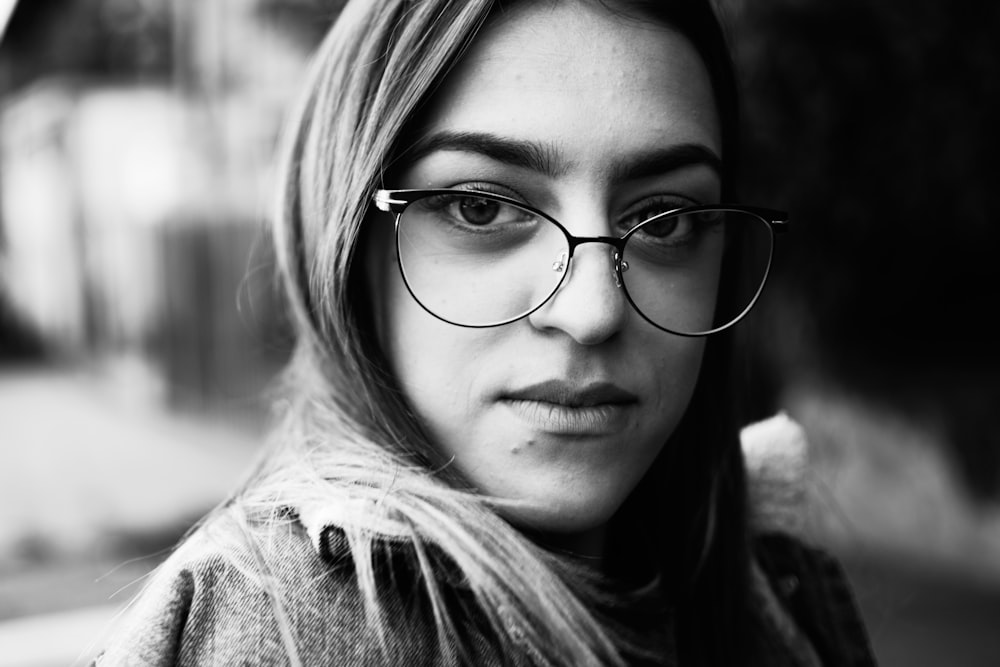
[[475, 261]]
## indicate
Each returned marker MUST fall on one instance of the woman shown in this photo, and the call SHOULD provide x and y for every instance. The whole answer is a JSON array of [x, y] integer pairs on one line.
[[511, 434]]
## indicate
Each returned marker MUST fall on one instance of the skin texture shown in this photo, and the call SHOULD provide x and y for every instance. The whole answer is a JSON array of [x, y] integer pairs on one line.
[[595, 93]]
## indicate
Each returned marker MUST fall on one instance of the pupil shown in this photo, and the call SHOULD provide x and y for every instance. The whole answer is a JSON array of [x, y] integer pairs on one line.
[[479, 211]]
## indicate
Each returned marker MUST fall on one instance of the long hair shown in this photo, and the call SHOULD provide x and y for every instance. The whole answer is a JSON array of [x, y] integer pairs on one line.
[[348, 438], [695, 491]]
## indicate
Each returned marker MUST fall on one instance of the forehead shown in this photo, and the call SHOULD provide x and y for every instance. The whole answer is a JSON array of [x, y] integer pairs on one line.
[[576, 75]]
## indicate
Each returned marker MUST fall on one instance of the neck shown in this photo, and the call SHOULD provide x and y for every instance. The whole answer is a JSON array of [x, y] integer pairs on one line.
[[588, 546]]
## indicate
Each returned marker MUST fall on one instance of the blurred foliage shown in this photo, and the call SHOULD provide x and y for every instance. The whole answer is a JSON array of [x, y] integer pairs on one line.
[[121, 39], [109, 38], [308, 20], [875, 125], [218, 332]]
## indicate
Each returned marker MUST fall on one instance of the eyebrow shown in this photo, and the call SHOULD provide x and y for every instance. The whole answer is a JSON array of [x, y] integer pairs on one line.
[[544, 159], [515, 152], [658, 161]]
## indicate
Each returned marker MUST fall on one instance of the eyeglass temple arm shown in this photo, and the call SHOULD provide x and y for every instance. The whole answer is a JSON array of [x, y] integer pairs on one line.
[[385, 201], [777, 219]]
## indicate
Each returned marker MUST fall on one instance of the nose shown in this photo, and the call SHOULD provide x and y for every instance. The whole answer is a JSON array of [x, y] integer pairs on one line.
[[589, 306]]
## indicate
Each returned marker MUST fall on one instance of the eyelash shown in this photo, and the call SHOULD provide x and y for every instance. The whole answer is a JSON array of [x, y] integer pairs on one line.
[[490, 188], [662, 203]]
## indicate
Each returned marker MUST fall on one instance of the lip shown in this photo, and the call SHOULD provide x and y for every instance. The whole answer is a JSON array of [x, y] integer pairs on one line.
[[562, 408], [560, 392]]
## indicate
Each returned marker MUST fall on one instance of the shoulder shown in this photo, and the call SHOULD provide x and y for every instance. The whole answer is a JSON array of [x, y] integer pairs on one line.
[[805, 599], [228, 597], [801, 592], [265, 594], [807, 586]]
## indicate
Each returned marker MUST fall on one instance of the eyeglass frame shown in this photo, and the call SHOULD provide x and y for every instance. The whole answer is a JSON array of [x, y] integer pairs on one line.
[[396, 202]]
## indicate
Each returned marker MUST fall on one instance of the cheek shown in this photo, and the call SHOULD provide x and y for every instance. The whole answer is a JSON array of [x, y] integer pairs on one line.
[[443, 371], [434, 362], [676, 368]]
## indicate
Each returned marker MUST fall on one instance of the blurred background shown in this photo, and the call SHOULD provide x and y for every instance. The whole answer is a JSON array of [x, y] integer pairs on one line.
[[141, 328]]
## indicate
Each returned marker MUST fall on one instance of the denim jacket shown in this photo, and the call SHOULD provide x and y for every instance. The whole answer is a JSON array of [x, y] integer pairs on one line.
[[206, 608]]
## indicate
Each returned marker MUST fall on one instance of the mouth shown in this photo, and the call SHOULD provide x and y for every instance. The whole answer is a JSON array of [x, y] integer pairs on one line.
[[560, 393], [562, 408]]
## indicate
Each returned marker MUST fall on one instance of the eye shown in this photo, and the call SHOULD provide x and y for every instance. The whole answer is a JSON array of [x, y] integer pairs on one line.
[[666, 226], [676, 231], [648, 209], [470, 211], [671, 230], [477, 211]]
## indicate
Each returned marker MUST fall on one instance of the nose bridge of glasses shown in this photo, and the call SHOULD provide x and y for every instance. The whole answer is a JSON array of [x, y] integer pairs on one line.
[[575, 242]]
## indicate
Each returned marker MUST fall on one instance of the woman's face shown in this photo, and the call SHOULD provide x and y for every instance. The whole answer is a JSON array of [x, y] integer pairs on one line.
[[589, 116]]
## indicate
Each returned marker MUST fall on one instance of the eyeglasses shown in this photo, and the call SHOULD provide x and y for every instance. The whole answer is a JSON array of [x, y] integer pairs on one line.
[[476, 259]]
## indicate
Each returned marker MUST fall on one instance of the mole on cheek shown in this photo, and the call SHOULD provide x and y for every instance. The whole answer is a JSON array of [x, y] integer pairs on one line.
[[516, 448]]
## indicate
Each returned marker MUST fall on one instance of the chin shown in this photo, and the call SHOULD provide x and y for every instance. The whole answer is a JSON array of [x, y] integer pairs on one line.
[[567, 524]]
